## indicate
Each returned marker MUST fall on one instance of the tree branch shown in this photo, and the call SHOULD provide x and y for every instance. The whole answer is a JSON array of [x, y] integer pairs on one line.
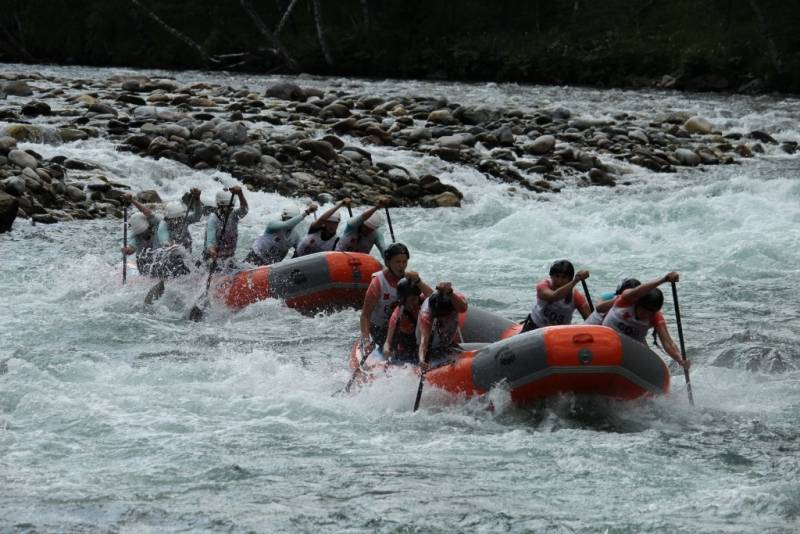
[[326, 51], [280, 50], [175, 33], [284, 18]]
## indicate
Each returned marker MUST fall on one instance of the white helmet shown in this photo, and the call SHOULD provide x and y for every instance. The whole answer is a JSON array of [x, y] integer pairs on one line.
[[375, 221], [173, 210], [289, 211], [335, 217], [139, 224], [224, 198]]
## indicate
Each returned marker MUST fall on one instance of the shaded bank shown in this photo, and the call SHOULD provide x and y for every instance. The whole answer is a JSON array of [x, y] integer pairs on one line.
[[720, 45]]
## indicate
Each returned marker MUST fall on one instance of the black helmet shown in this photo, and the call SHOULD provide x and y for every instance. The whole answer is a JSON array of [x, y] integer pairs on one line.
[[406, 288], [562, 267], [628, 283], [393, 250], [440, 304], [652, 301]]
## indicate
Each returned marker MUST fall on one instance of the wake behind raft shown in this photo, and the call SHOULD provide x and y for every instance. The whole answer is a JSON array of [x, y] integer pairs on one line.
[[569, 359]]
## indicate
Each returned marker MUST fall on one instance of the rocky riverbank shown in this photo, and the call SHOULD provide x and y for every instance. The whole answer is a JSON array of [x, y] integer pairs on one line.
[[309, 142]]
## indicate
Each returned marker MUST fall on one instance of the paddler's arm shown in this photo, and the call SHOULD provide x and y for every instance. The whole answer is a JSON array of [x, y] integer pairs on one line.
[[549, 295], [670, 347], [147, 212], [370, 301], [243, 208], [424, 341], [456, 299], [387, 346], [316, 225], [414, 277], [635, 293]]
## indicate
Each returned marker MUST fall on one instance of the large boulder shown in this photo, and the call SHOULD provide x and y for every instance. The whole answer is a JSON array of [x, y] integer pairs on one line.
[[687, 157], [17, 88], [456, 141], [22, 159], [322, 149], [442, 116], [286, 91], [698, 125], [541, 145], [34, 108], [15, 185], [232, 133], [475, 114], [24, 132], [8, 211]]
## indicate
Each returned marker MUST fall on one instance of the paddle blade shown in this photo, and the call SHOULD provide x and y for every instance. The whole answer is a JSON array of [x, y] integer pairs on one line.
[[419, 391], [155, 293]]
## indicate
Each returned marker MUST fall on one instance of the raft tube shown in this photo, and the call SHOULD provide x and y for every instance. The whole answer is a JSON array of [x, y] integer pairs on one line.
[[317, 282], [569, 359]]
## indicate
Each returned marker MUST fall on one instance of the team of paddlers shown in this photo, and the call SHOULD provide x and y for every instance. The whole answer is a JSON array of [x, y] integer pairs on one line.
[[403, 319]]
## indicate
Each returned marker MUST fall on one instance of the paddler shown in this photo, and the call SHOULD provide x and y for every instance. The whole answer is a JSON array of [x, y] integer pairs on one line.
[[437, 329], [322, 232], [401, 340], [223, 247], [143, 241], [557, 298], [638, 309], [361, 232], [382, 294], [279, 236], [606, 300]]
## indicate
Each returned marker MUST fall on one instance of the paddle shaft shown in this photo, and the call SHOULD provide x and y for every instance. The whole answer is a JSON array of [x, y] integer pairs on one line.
[[349, 210], [586, 292], [197, 312], [680, 338], [422, 376], [364, 356], [389, 221], [125, 243]]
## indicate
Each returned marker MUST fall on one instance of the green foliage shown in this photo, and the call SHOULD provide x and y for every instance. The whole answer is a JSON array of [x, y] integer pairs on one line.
[[615, 42]]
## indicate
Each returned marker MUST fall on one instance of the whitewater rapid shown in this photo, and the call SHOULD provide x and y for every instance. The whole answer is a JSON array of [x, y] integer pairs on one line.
[[117, 416]]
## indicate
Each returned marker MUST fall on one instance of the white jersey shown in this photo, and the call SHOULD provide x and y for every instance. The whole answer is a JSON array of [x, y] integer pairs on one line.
[[313, 242], [383, 309], [272, 247]]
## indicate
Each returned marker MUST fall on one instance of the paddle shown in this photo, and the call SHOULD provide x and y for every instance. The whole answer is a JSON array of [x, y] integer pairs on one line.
[[349, 211], [124, 242], [157, 290], [422, 376], [389, 221], [586, 292], [196, 312], [680, 337], [364, 356]]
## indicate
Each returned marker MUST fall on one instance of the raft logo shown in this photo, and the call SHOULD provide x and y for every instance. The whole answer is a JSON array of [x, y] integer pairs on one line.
[[505, 356]]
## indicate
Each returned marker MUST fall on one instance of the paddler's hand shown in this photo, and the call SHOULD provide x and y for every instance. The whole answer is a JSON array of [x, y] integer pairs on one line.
[[581, 275], [127, 198], [128, 251], [686, 364], [424, 367], [345, 202], [235, 190], [213, 252], [413, 277], [445, 288], [671, 277], [387, 351], [311, 208], [195, 192]]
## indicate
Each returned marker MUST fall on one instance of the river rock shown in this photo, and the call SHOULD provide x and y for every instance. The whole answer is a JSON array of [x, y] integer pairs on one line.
[[442, 116], [697, 125], [8, 211], [743, 150], [601, 177], [504, 135], [334, 111], [286, 91], [639, 135], [448, 199], [475, 114], [17, 88], [687, 157], [22, 159], [68, 135], [24, 132], [210, 154], [148, 196], [7, 143], [232, 133], [75, 194], [322, 149], [456, 141], [763, 137], [248, 156], [541, 145], [15, 185], [34, 108]]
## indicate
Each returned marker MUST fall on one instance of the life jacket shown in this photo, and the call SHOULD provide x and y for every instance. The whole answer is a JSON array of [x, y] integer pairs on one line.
[[383, 309], [272, 247], [355, 242], [226, 244], [552, 313], [622, 318], [313, 242], [443, 331], [404, 342], [174, 228]]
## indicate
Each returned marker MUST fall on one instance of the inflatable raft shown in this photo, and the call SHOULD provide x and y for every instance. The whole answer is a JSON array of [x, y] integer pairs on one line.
[[317, 282], [570, 359]]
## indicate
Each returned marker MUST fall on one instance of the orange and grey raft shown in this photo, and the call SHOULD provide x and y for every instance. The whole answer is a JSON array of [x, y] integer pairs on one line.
[[321, 281], [576, 359]]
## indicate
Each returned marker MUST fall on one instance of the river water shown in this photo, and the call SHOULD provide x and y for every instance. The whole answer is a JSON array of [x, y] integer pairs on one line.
[[119, 417]]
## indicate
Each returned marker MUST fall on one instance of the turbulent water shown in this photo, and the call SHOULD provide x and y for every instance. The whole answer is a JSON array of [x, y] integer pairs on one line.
[[115, 416]]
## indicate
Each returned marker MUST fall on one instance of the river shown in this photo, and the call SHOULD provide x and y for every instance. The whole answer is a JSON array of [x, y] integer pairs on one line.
[[119, 417]]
